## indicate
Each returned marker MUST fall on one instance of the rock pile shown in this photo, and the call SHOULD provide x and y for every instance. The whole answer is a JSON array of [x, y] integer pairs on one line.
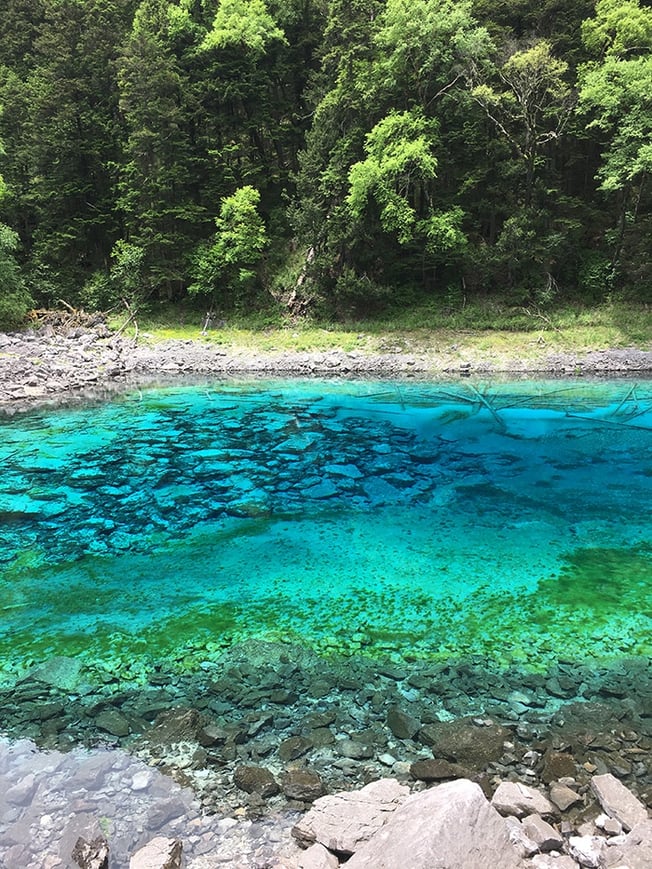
[[455, 826]]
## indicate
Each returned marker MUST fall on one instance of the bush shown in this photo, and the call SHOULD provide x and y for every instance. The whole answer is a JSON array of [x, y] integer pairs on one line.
[[15, 301]]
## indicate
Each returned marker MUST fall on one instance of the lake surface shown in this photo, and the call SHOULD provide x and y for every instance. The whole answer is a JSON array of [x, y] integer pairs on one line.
[[408, 521]]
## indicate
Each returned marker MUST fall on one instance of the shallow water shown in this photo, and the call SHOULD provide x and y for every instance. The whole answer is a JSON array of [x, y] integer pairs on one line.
[[506, 520]]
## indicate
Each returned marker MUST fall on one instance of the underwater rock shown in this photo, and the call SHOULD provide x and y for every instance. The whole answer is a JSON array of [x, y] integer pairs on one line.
[[60, 672], [113, 722], [436, 770], [466, 742], [354, 749], [402, 724], [302, 784], [556, 765], [293, 747], [255, 780]]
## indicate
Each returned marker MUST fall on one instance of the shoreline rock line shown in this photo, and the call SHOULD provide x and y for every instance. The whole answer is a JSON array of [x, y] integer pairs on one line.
[[45, 366]]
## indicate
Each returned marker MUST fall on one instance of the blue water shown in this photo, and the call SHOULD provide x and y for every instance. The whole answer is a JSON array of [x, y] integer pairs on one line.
[[400, 520]]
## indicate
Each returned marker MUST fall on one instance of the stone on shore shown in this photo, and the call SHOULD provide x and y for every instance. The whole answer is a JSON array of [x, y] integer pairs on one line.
[[514, 798], [541, 832], [318, 857], [617, 801], [159, 853], [91, 855], [343, 822], [450, 825], [587, 851], [635, 852], [563, 797]]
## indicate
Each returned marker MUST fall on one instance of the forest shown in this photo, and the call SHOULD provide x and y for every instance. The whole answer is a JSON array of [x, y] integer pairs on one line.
[[325, 157]]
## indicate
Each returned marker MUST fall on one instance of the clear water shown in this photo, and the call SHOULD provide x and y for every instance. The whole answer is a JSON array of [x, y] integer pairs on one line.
[[411, 521]]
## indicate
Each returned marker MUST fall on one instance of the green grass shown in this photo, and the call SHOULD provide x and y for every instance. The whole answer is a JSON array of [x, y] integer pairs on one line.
[[479, 327]]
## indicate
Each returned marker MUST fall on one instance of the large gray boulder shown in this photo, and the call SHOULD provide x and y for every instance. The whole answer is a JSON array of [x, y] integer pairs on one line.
[[342, 822], [635, 852], [617, 801], [451, 826]]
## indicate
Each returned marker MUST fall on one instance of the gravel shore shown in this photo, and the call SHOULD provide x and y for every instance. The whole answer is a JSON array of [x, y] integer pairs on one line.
[[47, 367]]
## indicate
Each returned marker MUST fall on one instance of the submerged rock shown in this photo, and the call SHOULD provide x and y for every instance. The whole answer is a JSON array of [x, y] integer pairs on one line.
[[255, 780], [468, 743], [302, 784], [60, 672]]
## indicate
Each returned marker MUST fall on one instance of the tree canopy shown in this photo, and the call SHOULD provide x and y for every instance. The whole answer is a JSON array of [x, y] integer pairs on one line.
[[355, 152]]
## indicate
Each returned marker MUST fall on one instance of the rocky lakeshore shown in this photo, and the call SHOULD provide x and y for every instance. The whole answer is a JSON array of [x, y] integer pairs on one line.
[[42, 366], [229, 760]]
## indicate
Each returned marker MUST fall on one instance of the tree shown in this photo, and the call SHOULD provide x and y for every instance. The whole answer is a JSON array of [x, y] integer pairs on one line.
[[67, 145], [226, 267], [616, 97], [15, 301], [425, 48], [397, 174], [244, 24], [157, 191], [531, 108]]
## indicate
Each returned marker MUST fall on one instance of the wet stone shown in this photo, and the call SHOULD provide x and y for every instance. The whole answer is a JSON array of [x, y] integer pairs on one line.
[[556, 765], [294, 747], [255, 780], [113, 722], [465, 742], [436, 770], [302, 784], [354, 749], [402, 724]]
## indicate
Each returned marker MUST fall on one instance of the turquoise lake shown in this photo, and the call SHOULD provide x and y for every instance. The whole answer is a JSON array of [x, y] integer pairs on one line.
[[506, 520]]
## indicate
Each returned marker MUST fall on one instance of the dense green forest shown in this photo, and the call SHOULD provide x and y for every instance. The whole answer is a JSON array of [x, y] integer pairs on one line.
[[330, 157]]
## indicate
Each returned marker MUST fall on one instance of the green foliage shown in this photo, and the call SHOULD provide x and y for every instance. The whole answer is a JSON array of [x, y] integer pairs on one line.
[[529, 105], [425, 47], [15, 301], [243, 24], [616, 90], [396, 172], [400, 149], [226, 266]]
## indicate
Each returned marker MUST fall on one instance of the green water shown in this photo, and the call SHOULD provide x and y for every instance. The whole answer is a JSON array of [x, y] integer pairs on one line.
[[412, 521]]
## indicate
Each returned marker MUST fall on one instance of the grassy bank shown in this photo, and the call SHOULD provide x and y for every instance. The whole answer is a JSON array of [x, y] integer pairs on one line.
[[477, 327]]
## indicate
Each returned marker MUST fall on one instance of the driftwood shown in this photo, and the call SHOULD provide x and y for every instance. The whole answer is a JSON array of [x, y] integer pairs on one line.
[[63, 320]]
